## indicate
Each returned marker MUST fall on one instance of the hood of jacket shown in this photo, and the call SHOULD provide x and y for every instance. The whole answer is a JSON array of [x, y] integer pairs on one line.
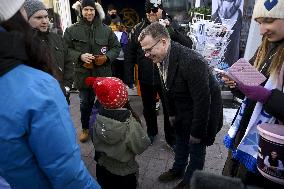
[[109, 130], [12, 51], [99, 9]]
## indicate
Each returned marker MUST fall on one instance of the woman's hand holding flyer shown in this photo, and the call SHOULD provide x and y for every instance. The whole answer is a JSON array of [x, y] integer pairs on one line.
[[242, 72]]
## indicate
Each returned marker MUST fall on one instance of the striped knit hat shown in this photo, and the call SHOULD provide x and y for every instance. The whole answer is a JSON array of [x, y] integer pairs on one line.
[[268, 9]]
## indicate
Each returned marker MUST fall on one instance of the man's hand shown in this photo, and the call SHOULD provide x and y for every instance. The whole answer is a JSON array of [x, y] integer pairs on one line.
[[87, 58], [193, 140], [100, 59]]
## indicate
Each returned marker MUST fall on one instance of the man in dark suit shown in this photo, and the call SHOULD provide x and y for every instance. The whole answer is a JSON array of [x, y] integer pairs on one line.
[[191, 92]]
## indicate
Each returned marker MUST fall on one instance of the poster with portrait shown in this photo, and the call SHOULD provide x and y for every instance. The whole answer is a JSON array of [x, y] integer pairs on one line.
[[270, 160], [246, 22], [229, 13]]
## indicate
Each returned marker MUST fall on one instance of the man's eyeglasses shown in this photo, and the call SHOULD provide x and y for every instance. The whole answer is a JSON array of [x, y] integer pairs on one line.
[[153, 9], [147, 51]]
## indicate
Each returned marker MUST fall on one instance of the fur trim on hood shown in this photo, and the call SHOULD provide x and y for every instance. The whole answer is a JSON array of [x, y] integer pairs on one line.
[[99, 9]]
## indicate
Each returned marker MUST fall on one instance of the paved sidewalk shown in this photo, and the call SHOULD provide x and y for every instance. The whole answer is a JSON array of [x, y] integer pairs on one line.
[[158, 157]]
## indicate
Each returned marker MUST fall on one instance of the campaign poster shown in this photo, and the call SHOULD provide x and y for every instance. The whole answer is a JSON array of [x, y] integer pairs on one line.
[[229, 13]]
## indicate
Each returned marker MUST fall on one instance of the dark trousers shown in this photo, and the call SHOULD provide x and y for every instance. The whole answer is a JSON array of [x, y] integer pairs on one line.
[[87, 98], [107, 180], [117, 68], [149, 95], [183, 149]]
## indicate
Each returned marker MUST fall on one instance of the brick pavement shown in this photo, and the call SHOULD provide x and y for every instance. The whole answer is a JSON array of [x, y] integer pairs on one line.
[[158, 157]]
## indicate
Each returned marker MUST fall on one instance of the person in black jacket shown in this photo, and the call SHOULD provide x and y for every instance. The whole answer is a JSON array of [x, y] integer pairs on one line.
[[268, 97], [148, 74], [111, 14], [191, 93], [39, 21]]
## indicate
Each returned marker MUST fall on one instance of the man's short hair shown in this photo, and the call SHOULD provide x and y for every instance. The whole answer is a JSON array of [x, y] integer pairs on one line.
[[156, 30]]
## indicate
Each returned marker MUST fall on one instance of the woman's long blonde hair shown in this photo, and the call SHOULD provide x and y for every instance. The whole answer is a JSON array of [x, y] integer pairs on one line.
[[277, 59]]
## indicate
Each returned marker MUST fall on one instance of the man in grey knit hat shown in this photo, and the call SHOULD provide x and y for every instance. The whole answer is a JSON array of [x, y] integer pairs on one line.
[[38, 19]]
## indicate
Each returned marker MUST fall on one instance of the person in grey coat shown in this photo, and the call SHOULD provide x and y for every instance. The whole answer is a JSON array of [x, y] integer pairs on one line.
[[191, 94]]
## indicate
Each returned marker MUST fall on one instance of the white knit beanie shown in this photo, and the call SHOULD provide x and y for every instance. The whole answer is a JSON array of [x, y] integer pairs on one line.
[[268, 9], [8, 8]]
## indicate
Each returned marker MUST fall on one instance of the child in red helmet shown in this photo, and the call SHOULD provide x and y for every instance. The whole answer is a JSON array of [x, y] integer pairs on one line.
[[117, 136]]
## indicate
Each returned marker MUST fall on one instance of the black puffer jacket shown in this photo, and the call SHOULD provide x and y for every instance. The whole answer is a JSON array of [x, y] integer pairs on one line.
[[147, 71]]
